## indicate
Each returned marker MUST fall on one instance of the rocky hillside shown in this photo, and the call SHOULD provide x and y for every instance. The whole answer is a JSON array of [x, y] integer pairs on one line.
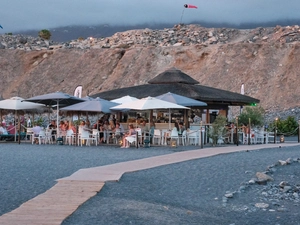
[[266, 60]]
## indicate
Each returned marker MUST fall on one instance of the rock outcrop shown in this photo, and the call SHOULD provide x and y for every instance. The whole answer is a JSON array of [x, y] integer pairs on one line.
[[266, 60]]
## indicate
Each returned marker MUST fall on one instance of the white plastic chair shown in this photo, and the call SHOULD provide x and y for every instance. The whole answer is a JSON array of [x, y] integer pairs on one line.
[[29, 133], [95, 134], [260, 136], [139, 134], [131, 139], [183, 137], [174, 135], [70, 137], [193, 137], [48, 137], [156, 136], [163, 136], [42, 137], [86, 137]]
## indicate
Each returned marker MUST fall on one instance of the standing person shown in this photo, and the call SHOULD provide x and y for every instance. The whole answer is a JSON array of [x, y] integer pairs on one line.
[[151, 131], [28, 123], [52, 126], [114, 119], [196, 119], [3, 121]]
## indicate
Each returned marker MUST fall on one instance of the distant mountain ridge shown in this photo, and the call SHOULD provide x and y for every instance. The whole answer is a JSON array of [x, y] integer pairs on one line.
[[68, 33]]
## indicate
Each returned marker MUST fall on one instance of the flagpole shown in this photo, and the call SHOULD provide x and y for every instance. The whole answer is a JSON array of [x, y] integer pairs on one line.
[[182, 15]]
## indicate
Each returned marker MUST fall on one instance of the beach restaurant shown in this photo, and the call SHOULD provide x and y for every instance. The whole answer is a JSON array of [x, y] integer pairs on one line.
[[175, 81]]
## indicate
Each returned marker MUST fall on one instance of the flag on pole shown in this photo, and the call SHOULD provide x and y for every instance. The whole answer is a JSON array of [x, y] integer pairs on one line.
[[78, 91], [190, 6], [242, 89]]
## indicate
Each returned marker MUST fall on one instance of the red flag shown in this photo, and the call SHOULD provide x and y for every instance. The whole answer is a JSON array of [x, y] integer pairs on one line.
[[190, 6]]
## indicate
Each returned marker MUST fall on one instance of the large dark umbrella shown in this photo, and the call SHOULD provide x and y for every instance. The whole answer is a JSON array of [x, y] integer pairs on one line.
[[93, 105], [55, 98], [180, 100]]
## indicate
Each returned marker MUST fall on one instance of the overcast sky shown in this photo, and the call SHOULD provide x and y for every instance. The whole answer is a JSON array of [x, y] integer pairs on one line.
[[16, 15]]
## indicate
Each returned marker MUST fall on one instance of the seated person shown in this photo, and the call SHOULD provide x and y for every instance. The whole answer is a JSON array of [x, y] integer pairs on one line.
[[121, 127], [83, 127], [3, 130], [72, 127], [180, 128], [11, 129], [36, 129], [144, 127], [130, 132], [62, 128], [117, 131]]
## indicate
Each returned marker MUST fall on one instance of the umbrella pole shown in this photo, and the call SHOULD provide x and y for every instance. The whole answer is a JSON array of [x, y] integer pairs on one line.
[[76, 136], [57, 114], [169, 119], [19, 125], [15, 126]]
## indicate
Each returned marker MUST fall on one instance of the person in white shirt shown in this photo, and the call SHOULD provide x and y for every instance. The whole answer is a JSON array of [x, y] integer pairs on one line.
[[28, 122], [3, 130], [36, 130], [197, 119]]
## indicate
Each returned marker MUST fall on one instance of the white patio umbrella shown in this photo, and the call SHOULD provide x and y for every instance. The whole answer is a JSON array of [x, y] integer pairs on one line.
[[17, 104], [148, 104], [124, 99], [180, 100]]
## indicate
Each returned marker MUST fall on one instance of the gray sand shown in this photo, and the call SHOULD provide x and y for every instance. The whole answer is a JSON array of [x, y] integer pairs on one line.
[[184, 193]]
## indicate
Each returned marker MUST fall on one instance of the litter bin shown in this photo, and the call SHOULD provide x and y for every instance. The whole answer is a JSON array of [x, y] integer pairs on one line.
[[59, 141]]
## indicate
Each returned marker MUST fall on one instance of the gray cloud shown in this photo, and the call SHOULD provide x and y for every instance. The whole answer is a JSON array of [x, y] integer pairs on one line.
[[18, 15]]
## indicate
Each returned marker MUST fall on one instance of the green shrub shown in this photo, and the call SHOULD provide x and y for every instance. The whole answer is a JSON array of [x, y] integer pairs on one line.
[[217, 128], [255, 113], [286, 127], [45, 34]]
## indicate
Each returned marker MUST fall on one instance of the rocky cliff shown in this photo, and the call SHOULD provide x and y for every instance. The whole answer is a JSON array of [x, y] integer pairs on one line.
[[266, 60]]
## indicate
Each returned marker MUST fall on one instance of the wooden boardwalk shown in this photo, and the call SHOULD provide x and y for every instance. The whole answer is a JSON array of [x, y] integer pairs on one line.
[[53, 206], [56, 204]]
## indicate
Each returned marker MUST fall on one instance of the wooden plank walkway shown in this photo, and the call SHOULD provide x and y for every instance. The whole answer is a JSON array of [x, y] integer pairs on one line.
[[53, 206], [59, 202]]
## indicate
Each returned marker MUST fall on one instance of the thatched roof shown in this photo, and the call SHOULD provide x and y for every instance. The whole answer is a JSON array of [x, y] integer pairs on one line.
[[172, 75], [181, 84]]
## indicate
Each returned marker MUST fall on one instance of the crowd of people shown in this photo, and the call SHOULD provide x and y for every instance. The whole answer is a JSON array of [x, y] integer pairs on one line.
[[107, 127]]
